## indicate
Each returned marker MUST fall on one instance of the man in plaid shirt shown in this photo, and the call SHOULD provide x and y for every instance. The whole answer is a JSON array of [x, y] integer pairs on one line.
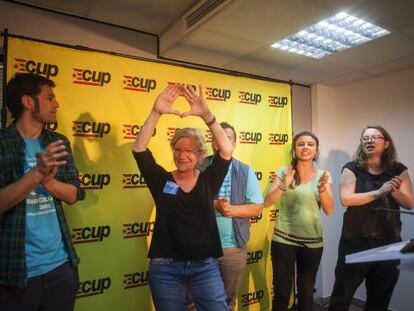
[[38, 263]]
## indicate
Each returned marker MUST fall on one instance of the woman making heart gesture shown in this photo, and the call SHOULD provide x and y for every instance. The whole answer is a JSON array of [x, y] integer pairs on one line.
[[185, 242]]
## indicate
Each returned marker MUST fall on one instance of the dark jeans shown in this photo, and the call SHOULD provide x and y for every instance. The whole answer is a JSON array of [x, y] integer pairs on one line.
[[380, 277], [55, 290], [307, 261]]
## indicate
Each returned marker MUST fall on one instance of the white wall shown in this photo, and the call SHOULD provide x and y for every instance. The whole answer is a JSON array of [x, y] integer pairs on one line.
[[301, 109], [40, 24], [339, 115], [323, 121]]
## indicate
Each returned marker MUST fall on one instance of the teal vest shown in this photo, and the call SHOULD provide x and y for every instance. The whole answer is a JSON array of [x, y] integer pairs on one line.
[[239, 175]]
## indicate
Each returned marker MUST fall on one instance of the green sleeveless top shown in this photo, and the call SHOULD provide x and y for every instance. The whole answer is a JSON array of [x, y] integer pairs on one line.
[[298, 220]]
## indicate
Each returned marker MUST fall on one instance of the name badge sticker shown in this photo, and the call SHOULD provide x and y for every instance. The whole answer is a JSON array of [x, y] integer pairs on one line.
[[170, 187]]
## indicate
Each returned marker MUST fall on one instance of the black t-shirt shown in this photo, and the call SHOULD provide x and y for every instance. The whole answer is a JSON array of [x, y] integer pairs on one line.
[[185, 224], [365, 220]]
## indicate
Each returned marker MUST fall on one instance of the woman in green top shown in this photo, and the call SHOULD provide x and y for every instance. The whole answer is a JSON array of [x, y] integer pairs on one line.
[[302, 190]]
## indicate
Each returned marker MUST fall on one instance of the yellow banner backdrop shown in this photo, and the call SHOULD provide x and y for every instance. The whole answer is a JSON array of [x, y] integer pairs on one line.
[[104, 100]]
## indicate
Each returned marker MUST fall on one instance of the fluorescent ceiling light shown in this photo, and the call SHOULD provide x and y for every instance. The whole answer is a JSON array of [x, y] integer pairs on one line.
[[331, 35]]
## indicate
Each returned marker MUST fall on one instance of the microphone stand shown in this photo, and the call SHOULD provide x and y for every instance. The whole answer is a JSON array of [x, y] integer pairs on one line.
[[393, 210]]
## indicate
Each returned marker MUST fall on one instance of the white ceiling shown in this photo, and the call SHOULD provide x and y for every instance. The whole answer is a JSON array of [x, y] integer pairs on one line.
[[237, 36]]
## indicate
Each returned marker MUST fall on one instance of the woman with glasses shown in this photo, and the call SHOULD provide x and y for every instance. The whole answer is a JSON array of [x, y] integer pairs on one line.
[[371, 187], [303, 190], [185, 240]]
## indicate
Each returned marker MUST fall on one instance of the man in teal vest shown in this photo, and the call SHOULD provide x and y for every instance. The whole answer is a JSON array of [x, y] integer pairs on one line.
[[239, 199]]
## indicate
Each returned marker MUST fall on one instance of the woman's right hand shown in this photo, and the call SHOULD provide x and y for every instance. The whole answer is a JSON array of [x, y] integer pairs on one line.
[[162, 105], [290, 173], [164, 102]]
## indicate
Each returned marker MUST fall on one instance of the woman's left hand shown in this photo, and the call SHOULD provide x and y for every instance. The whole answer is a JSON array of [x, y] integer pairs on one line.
[[198, 105], [323, 181]]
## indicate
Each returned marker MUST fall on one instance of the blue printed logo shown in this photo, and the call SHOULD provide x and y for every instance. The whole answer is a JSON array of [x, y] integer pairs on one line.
[[170, 187]]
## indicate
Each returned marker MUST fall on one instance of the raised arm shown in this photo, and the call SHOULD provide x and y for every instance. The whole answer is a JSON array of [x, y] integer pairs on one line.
[[162, 105], [200, 108]]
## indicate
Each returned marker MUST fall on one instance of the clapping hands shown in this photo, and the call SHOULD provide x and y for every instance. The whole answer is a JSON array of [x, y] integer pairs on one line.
[[290, 174], [50, 159], [390, 186], [323, 180]]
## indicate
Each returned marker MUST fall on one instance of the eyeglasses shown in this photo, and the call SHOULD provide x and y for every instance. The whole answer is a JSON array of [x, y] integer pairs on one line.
[[374, 138], [188, 152]]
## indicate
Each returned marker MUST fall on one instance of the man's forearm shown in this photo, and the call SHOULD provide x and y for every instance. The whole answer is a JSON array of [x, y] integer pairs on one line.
[[248, 210], [16, 192], [61, 191]]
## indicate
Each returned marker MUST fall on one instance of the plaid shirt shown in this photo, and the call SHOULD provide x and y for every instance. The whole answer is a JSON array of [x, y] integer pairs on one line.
[[13, 272]]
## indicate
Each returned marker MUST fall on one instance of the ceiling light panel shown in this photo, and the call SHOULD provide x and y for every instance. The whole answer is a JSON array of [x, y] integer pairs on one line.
[[331, 35]]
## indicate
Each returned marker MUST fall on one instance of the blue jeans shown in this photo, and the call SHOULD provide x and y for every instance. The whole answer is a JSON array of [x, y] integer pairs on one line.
[[170, 281]]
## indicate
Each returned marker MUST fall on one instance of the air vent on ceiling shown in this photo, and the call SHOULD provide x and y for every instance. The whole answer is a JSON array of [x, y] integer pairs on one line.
[[190, 22], [203, 10]]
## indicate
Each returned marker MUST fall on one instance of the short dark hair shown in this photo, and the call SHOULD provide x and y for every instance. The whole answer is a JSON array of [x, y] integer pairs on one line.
[[23, 84], [226, 125]]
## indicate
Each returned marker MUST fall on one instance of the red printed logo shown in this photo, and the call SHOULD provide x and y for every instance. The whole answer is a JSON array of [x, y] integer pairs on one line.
[[217, 94], [31, 66], [278, 138], [137, 84], [277, 101], [133, 181], [250, 137], [90, 77], [249, 98], [90, 129]]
